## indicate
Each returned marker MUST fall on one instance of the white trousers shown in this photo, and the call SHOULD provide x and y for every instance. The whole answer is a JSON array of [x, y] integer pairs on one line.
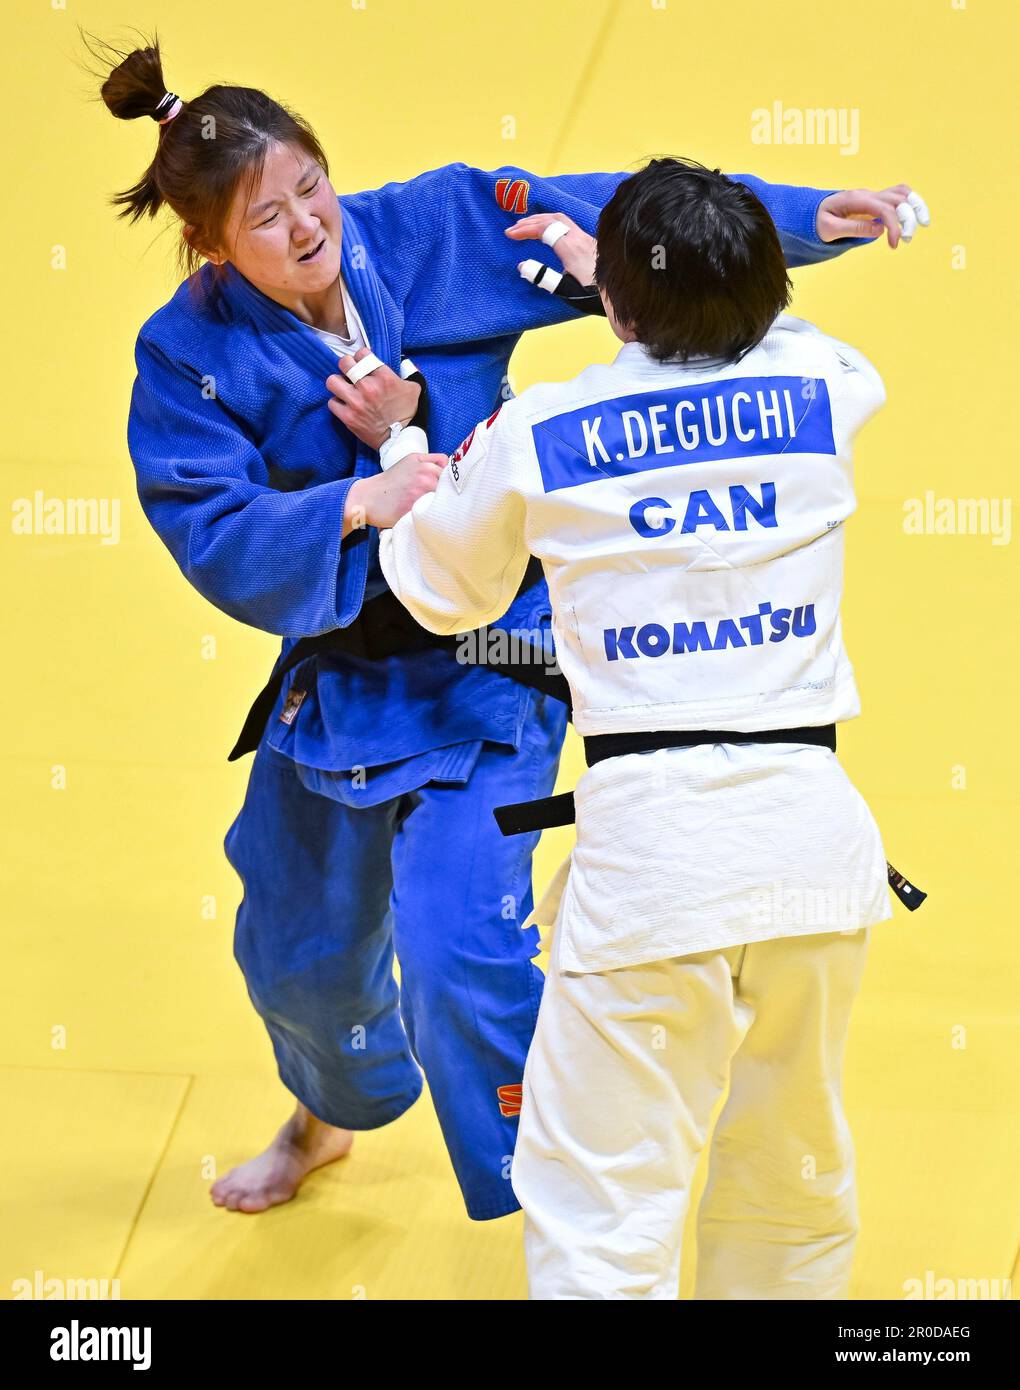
[[621, 1081]]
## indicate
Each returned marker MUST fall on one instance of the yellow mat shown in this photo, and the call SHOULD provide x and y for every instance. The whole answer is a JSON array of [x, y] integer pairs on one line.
[[132, 1067]]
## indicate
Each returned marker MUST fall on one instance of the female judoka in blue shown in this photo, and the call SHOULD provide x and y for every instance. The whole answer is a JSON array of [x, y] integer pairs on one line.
[[367, 825]]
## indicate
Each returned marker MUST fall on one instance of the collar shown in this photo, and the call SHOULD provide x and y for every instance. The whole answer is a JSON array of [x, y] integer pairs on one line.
[[636, 357]]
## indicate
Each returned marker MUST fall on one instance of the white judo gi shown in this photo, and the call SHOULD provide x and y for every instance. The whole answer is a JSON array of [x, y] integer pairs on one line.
[[714, 920]]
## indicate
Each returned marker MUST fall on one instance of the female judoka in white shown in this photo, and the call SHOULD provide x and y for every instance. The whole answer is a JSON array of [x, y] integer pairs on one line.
[[687, 503]]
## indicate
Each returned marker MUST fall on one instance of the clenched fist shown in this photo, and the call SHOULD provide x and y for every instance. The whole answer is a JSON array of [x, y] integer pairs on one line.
[[383, 499]]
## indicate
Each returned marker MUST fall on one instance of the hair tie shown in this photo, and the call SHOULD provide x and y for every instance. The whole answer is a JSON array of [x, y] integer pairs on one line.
[[170, 105]]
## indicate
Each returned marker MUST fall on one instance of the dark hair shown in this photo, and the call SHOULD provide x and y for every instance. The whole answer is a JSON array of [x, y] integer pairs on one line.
[[218, 140], [691, 261]]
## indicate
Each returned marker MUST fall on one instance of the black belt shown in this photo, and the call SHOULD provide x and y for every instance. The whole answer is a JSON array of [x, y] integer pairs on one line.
[[384, 628], [550, 811], [598, 747]]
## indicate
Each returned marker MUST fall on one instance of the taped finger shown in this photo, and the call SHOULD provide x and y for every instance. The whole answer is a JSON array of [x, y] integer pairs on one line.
[[553, 232], [543, 276], [908, 220], [920, 208], [362, 368]]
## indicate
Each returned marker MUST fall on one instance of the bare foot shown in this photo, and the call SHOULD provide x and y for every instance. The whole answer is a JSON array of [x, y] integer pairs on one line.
[[304, 1143]]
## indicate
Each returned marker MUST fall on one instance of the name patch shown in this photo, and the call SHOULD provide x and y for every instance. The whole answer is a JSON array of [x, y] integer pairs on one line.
[[742, 418]]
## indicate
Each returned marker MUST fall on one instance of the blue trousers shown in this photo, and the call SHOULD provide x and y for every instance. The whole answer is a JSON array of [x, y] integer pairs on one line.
[[331, 891]]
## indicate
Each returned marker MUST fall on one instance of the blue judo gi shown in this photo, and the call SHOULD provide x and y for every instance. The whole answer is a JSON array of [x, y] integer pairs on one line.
[[367, 823]]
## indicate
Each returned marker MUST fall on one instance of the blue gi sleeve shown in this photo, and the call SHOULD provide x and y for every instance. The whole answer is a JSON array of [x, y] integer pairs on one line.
[[274, 560], [793, 209], [461, 214]]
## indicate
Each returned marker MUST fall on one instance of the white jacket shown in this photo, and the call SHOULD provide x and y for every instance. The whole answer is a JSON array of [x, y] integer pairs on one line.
[[689, 522]]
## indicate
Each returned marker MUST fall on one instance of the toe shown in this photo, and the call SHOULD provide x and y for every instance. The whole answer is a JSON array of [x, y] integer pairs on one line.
[[253, 1202]]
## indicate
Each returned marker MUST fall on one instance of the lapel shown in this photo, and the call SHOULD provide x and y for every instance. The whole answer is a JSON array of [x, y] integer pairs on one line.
[[382, 319]]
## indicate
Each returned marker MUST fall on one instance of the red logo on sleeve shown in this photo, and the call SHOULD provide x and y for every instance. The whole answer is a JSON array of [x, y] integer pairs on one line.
[[510, 1098], [512, 195]]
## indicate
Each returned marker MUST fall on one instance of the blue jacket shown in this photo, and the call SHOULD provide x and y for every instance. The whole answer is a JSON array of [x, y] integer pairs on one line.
[[243, 472]]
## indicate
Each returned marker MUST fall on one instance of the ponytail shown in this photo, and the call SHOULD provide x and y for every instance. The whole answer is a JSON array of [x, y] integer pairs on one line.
[[193, 174], [133, 86]]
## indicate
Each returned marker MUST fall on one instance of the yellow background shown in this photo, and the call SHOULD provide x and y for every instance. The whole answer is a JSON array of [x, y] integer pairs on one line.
[[107, 882]]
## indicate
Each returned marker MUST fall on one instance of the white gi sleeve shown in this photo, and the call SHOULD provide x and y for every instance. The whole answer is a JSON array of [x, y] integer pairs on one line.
[[863, 390], [456, 560], [859, 390]]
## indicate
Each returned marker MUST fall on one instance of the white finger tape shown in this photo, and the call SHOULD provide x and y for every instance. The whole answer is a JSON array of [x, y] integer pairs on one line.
[[553, 232], [538, 274], [367, 364], [907, 220], [921, 208]]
